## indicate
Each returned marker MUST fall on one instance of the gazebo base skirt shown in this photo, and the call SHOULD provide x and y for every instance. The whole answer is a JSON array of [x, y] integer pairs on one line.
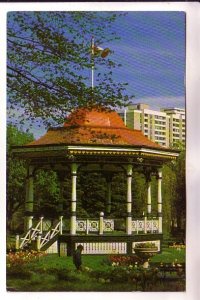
[[104, 244]]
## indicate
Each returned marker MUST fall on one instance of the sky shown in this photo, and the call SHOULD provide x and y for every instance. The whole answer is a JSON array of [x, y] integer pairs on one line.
[[152, 53]]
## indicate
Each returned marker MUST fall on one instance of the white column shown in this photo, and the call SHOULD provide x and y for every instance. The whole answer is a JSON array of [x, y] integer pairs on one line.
[[41, 224], [159, 179], [17, 241], [148, 197], [145, 224], [29, 199], [38, 243], [101, 223], [73, 199], [129, 200], [61, 224]]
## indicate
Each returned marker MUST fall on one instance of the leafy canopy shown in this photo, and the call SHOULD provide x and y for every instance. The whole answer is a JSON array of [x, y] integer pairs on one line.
[[49, 64]]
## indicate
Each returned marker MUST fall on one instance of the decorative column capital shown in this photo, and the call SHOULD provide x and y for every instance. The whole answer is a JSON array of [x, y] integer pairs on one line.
[[30, 171], [159, 174], [129, 170], [74, 167]]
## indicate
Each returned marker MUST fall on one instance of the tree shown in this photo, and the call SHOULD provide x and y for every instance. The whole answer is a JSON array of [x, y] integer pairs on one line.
[[16, 173], [174, 193], [46, 193], [180, 201], [169, 197], [49, 58], [46, 185]]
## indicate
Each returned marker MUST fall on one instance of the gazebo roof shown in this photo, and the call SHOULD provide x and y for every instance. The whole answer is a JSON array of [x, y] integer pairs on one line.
[[94, 127], [91, 134]]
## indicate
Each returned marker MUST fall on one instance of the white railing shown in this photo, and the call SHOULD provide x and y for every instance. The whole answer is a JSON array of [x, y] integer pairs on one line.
[[108, 225], [93, 225], [86, 225], [51, 234], [145, 225], [31, 234], [35, 233], [103, 247]]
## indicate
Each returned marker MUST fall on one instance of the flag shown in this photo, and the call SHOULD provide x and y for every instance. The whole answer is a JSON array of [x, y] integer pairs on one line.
[[98, 51]]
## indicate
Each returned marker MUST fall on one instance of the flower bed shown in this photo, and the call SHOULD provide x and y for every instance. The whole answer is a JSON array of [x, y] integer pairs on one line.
[[176, 245], [124, 260], [20, 258], [17, 263]]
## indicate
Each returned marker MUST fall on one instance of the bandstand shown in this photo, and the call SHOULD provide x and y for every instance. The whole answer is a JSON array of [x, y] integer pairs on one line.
[[95, 140]]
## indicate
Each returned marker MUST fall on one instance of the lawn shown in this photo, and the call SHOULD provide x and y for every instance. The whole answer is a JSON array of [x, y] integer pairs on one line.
[[54, 273]]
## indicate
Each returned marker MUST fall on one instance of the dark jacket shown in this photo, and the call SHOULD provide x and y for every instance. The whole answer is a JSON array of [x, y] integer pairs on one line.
[[77, 258]]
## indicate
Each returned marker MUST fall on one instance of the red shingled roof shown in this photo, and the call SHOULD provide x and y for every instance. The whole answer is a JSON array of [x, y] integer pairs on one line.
[[94, 117], [94, 127]]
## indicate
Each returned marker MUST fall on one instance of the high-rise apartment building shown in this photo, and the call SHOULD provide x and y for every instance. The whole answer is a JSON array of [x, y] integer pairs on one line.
[[165, 127]]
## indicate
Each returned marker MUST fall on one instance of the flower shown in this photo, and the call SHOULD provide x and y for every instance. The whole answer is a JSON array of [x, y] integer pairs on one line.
[[145, 245], [22, 257], [130, 267]]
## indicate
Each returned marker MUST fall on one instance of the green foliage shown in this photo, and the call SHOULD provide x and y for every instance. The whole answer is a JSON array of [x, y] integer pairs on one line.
[[46, 185], [169, 196], [169, 255], [17, 138], [145, 245], [54, 273], [139, 194], [49, 62], [93, 193], [118, 199], [174, 192], [180, 203], [47, 193], [16, 173]]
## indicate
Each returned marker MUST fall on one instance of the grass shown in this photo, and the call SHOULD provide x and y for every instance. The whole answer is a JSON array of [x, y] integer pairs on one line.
[[169, 255], [54, 273]]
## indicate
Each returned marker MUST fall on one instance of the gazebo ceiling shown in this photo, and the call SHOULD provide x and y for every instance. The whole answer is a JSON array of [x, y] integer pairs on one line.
[[95, 131]]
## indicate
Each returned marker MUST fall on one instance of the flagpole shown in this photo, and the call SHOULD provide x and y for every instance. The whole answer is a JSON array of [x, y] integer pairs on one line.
[[92, 61]]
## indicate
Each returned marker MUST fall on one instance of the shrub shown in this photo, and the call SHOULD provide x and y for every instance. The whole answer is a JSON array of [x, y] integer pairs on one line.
[[123, 260], [145, 245]]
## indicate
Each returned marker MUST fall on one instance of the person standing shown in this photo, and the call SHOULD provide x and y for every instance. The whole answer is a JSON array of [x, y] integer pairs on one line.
[[77, 259]]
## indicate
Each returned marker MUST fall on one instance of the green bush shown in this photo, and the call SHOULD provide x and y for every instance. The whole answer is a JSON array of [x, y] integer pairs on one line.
[[20, 273]]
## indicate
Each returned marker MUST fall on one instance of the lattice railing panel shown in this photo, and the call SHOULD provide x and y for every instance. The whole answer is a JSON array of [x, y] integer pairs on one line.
[[108, 225]]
